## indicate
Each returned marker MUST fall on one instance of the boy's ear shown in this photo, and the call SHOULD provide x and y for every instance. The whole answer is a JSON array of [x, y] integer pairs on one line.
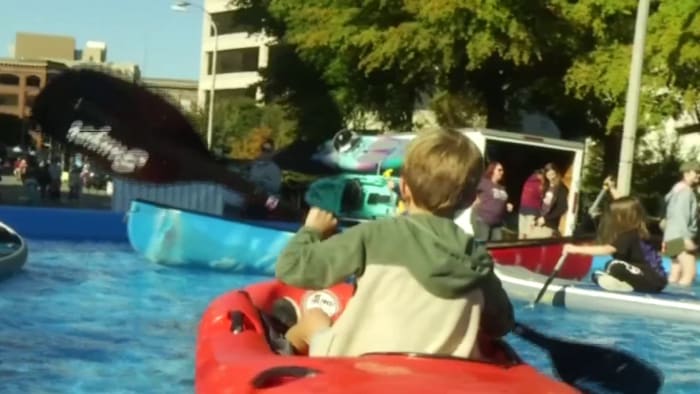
[[469, 196], [405, 190]]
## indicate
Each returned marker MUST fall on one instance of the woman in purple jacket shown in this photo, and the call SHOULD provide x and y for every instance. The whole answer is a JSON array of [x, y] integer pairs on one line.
[[491, 205]]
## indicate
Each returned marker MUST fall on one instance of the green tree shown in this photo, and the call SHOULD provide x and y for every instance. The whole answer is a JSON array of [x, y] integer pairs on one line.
[[567, 59], [378, 55], [241, 118], [288, 80], [294, 84], [598, 76]]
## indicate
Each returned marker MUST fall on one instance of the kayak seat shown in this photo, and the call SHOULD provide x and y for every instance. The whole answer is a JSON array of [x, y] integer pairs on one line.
[[274, 329], [352, 197]]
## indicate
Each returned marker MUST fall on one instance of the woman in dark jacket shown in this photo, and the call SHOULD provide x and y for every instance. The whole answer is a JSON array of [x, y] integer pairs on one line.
[[554, 204]]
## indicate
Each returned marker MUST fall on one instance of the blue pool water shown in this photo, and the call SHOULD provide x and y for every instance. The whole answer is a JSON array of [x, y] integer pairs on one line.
[[89, 318]]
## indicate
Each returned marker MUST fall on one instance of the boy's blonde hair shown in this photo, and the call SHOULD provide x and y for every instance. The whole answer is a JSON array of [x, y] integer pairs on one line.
[[442, 169]]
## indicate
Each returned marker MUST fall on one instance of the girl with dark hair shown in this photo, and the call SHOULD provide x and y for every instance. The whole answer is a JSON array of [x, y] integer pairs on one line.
[[636, 265], [491, 205], [554, 204]]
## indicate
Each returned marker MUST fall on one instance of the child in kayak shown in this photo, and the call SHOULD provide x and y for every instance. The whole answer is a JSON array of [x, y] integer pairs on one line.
[[636, 265], [423, 284]]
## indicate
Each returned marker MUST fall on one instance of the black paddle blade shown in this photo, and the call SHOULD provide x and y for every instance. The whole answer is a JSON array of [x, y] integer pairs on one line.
[[596, 369]]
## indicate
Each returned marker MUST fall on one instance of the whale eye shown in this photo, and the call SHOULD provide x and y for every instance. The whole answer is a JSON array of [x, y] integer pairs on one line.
[[344, 140]]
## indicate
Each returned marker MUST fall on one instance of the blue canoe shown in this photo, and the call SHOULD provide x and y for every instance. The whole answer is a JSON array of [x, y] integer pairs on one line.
[[174, 236]]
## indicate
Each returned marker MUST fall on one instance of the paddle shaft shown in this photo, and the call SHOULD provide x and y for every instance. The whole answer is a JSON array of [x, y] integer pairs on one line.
[[555, 271], [593, 210]]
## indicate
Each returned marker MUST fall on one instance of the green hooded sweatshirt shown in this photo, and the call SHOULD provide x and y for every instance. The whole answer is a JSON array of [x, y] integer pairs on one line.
[[417, 275]]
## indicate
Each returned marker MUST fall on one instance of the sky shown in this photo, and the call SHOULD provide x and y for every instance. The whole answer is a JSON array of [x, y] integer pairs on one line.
[[164, 43]]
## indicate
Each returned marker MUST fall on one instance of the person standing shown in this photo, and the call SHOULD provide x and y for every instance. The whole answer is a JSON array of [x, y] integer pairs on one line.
[[264, 172], [681, 226], [30, 178], [492, 204], [44, 179], [55, 180], [530, 203], [267, 176], [554, 204]]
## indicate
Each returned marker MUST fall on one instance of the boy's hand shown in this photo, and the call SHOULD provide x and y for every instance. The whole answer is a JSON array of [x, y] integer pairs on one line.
[[540, 221], [690, 246], [322, 221], [608, 182]]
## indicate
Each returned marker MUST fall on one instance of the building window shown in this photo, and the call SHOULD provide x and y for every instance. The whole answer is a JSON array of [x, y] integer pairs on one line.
[[223, 95], [227, 94], [234, 60], [9, 79], [9, 99], [33, 81], [229, 22]]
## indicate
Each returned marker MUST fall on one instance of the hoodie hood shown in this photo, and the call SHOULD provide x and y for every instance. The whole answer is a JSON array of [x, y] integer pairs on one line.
[[680, 186], [440, 255]]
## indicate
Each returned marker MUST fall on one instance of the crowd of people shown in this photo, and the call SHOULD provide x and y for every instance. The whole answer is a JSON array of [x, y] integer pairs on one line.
[[42, 179], [622, 233], [543, 202]]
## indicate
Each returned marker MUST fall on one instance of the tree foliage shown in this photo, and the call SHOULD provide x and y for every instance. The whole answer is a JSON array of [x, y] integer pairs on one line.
[[241, 125], [569, 60], [672, 60]]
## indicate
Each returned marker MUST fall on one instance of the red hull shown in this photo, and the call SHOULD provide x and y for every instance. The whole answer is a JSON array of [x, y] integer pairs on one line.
[[541, 256], [242, 362]]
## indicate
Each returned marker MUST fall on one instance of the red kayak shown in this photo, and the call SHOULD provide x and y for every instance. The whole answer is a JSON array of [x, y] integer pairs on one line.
[[236, 353], [541, 255]]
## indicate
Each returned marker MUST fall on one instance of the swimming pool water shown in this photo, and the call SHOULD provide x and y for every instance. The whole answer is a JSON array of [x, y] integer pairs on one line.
[[97, 318]]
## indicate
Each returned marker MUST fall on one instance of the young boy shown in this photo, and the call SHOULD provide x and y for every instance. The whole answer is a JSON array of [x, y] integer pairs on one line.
[[423, 284]]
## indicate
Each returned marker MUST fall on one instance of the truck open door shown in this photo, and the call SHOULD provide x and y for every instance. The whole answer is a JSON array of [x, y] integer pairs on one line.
[[520, 155]]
